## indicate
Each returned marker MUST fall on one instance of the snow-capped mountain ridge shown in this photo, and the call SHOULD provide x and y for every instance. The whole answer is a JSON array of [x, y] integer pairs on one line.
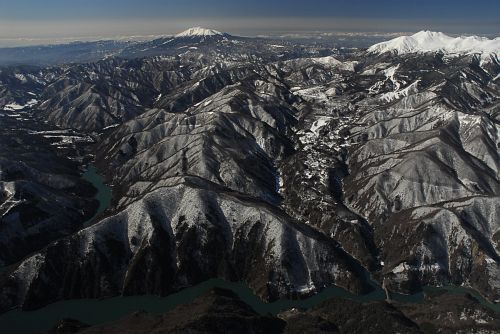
[[429, 41], [199, 32]]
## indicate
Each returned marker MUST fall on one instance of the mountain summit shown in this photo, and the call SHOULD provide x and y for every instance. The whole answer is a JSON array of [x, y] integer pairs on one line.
[[199, 32], [429, 41]]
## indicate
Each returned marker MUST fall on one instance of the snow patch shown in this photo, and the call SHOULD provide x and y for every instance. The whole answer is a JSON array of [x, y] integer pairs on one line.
[[318, 124], [16, 106]]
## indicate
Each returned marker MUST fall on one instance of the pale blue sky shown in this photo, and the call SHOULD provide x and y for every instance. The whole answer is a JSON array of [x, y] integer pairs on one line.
[[78, 9], [52, 20]]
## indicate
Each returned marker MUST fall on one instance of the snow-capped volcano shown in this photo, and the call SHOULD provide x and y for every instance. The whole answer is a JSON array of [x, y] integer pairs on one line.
[[429, 41], [199, 32]]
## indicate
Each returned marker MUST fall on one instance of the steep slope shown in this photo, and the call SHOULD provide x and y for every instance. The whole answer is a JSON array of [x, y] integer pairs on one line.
[[196, 198], [42, 197], [402, 141], [429, 41], [97, 95], [20, 86]]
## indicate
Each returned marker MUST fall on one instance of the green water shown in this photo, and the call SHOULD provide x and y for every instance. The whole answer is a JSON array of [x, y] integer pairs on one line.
[[460, 290], [93, 311], [103, 194]]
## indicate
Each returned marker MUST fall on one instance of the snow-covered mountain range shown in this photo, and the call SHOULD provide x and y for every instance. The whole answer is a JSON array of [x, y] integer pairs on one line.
[[199, 31], [429, 41]]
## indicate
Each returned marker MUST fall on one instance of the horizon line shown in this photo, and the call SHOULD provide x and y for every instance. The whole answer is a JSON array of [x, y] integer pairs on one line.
[[17, 42]]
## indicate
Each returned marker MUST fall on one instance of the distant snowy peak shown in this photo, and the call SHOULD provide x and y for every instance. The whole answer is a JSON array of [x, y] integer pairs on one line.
[[199, 32], [429, 41]]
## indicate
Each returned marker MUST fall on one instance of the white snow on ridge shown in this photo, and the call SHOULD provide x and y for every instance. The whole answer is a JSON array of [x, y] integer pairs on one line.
[[389, 73], [397, 94], [333, 62], [429, 41], [21, 77], [329, 60], [112, 126], [198, 31]]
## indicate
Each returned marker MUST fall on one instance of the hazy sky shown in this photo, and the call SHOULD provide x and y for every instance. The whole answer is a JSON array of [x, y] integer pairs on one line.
[[32, 21]]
